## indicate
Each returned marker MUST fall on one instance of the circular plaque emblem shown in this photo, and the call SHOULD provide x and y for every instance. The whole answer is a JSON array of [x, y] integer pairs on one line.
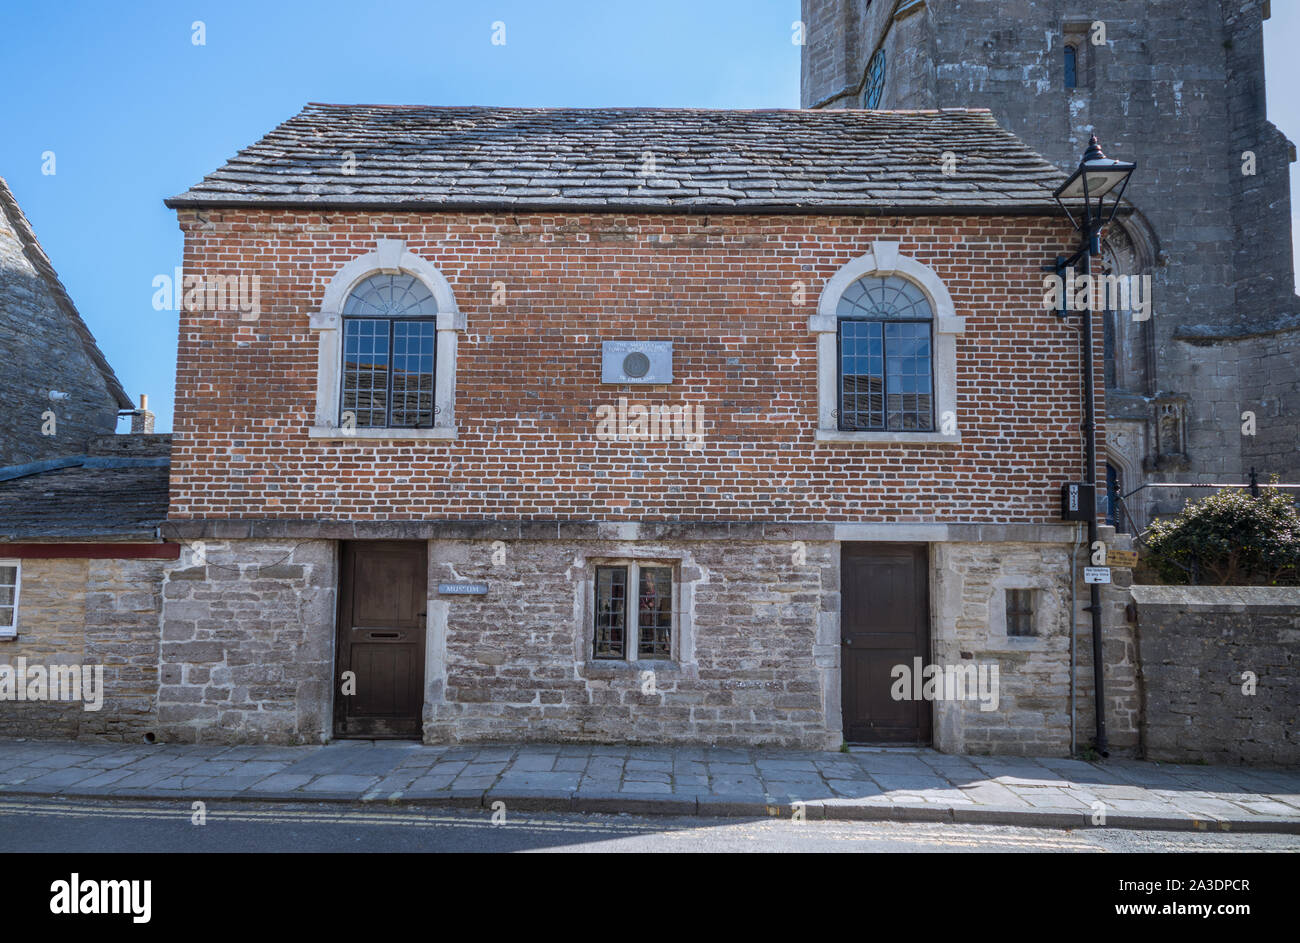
[[636, 364]]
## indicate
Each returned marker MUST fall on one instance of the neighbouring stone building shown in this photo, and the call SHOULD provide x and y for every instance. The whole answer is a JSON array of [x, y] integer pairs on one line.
[[82, 568], [1178, 87], [648, 425], [59, 390], [81, 562]]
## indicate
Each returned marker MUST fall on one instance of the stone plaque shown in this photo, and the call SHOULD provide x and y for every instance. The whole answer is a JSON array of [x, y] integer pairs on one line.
[[636, 362], [462, 589]]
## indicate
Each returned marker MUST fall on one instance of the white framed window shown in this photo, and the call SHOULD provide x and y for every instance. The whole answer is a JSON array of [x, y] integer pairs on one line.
[[634, 611], [10, 583], [896, 380], [388, 332]]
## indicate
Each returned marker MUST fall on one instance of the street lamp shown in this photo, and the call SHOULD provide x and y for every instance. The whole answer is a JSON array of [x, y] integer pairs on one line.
[[1097, 177]]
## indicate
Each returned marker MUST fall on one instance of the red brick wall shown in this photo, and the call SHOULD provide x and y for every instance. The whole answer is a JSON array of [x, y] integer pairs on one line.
[[529, 369]]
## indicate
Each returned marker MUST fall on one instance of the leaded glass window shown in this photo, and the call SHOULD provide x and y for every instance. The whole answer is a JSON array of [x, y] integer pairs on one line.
[[389, 350], [611, 612], [886, 375], [655, 612], [1071, 67], [638, 624], [874, 86]]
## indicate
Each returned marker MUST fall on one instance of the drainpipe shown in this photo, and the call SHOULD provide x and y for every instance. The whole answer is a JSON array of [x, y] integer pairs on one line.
[[1074, 644], [1090, 476]]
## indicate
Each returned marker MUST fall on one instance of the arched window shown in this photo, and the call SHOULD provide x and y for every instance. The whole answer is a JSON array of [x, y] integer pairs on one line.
[[874, 85], [886, 352], [886, 380], [388, 332], [1071, 67], [389, 350]]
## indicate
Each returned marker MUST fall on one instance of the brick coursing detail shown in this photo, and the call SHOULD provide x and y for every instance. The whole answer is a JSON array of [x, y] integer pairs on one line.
[[733, 294]]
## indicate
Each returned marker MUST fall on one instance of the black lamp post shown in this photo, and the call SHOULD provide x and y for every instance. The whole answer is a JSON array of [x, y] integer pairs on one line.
[[1096, 178]]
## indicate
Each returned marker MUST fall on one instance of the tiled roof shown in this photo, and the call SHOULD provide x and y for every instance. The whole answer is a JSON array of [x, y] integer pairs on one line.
[[635, 160], [84, 497], [41, 262]]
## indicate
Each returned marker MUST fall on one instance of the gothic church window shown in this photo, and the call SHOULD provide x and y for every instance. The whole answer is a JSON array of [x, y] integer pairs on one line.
[[875, 83]]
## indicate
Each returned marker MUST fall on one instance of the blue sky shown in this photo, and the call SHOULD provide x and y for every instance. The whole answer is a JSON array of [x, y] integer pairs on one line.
[[135, 112]]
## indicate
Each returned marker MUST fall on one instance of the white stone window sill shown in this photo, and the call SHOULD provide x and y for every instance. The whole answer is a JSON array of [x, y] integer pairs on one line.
[[334, 433], [888, 438]]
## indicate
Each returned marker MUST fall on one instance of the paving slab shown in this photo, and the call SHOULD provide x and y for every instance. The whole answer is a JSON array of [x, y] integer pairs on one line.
[[909, 784]]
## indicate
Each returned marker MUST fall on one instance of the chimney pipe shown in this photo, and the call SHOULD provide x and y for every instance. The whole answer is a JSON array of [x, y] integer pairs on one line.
[[142, 419]]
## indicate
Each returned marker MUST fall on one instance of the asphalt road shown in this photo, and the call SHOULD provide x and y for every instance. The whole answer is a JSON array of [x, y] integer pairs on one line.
[[82, 826]]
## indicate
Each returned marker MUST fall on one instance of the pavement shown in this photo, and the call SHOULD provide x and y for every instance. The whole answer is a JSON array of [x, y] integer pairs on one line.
[[884, 784]]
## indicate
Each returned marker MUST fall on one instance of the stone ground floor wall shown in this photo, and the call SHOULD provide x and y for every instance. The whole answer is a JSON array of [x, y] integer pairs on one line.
[[752, 663], [1221, 673], [247, 652], [88, 612], [1034, 705], [234, 642]]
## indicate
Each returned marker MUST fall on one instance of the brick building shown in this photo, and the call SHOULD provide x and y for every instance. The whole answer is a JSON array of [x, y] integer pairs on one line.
[[1178, 87], [633, 425]]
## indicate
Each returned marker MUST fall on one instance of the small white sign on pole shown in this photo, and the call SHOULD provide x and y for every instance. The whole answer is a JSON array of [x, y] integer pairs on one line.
[[1096, 574]]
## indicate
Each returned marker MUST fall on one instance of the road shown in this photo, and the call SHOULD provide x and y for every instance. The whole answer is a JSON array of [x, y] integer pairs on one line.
[[80, 826]]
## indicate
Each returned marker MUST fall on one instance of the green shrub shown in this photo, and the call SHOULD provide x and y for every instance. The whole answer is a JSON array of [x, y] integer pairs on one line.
[[1229, 538]]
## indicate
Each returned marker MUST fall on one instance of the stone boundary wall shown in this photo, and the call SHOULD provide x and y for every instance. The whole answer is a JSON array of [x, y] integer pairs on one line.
[[1199, 647]]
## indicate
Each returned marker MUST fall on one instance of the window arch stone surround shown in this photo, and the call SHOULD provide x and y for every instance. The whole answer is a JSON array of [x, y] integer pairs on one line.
[[882, 261], [390, 256]]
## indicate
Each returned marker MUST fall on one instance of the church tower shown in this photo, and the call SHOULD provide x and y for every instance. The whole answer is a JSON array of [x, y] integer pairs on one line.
[[1178, 87]]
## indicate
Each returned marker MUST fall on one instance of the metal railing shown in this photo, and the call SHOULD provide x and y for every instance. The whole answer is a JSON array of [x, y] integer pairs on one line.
[[1139, 534]]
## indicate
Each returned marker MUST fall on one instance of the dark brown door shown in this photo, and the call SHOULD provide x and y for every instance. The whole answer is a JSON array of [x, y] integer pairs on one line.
[[884, 621], [383, 593]]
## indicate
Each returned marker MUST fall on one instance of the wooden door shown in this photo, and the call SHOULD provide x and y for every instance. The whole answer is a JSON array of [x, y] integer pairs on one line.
[[383, 595], [884, 621]]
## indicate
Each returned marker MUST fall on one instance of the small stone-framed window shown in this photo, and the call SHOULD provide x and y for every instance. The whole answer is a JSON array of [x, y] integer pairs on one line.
[[388, 332], [10, 583], [1020, 612], [634, 611], [1076, 56]]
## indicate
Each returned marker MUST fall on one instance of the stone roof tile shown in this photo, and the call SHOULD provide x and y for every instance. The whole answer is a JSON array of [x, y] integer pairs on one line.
[[647, 159]]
